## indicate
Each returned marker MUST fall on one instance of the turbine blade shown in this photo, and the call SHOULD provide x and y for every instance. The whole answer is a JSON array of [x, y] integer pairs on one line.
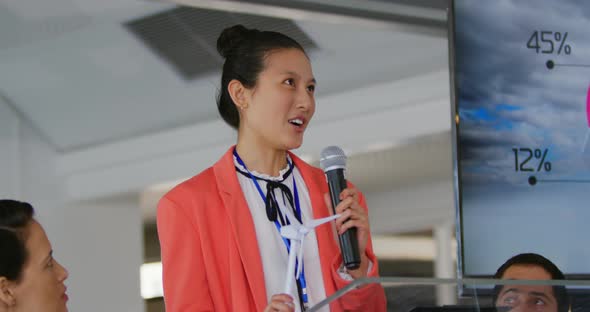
[[317, 222]]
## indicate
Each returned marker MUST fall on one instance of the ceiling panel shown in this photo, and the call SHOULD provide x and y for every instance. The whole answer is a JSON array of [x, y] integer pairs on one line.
[[186, 37]]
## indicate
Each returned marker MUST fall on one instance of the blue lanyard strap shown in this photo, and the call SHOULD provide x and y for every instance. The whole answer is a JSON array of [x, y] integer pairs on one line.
[[301, 280]]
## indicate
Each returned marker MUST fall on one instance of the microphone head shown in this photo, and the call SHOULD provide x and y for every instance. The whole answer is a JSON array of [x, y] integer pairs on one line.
[[332, 157]]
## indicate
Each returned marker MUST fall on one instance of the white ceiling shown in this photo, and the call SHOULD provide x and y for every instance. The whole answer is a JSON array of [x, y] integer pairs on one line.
[[70, 64]]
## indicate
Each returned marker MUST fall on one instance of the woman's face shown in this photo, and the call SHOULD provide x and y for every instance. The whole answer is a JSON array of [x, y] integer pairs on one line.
[[282, 103], [41, 287]]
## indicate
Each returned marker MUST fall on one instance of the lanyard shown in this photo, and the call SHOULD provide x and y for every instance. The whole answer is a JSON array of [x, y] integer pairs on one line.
[[301, 280]]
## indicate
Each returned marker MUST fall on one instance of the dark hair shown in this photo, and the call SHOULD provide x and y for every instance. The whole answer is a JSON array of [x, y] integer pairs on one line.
[[533, 259], [15, 216], [244, 51]]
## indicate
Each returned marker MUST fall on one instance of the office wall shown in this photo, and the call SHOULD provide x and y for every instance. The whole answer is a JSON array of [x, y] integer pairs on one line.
[[9, 149], [98, 241]]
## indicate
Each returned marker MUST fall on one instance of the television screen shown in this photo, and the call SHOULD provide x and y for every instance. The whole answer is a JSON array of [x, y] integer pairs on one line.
[[521, 77]]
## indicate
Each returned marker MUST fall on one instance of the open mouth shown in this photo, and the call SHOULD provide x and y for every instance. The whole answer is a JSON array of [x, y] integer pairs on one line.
[[296, 122]]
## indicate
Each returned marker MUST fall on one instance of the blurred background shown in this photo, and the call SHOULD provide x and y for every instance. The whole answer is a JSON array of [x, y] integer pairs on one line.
[[106, 105]]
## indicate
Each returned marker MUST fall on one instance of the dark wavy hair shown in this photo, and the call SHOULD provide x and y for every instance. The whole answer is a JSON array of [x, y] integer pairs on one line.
[[244, 51], [15, 216], [533, 259]]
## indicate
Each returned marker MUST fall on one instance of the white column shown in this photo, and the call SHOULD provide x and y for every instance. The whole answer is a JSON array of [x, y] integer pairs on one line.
[[444, 265], [101, 246]]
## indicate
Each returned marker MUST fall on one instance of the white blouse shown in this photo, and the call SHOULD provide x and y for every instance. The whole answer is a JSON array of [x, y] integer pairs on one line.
[[273, 252]]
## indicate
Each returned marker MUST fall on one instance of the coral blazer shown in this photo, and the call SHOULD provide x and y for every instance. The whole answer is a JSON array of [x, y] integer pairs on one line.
[[210, 255]]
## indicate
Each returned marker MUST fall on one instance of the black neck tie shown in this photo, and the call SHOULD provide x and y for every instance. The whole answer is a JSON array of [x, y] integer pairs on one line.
[[272, 206], [273, 212]]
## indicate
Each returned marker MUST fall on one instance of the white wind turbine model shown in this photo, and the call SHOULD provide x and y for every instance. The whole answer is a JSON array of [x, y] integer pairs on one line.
[[296, 232]]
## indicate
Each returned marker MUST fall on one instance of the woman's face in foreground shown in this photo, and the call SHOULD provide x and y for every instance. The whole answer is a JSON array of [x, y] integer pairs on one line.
[[41, 286]]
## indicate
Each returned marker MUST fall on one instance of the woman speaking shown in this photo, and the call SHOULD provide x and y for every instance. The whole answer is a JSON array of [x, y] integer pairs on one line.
[[219, 231]]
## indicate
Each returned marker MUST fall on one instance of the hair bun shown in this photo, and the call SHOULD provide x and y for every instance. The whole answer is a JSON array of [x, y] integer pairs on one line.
[[231, 38]]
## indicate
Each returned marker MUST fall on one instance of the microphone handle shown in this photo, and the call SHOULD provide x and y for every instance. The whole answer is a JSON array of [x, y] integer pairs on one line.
[[349, 245]]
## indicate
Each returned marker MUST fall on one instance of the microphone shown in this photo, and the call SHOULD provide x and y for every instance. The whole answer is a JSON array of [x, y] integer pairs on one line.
[[333, 162]]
